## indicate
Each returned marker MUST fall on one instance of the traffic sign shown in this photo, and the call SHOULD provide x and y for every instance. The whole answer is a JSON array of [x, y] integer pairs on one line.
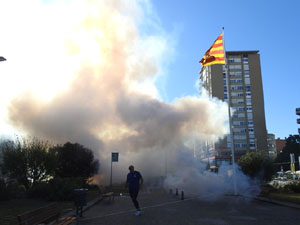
[[115, 156]]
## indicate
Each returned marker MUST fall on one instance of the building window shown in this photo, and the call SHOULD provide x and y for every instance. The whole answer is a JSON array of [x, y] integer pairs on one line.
[[237, 94], [236, 123], [249, 109], [239, 123], [246, 67], [234, 60], [237, 101], [237, 145], [245, 60], [250, 123], [252, 140], [237, 87], [239, 115], [236, 81], [235, 67], [248, 88], [246, 73], [242, 145], [235, 73], [240, 137], [250, 116], [240, 130], [247, 80], [248, 101], [239, 109]]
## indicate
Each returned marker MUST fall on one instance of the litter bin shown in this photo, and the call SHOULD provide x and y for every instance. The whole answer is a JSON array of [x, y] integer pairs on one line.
[[80, 197]]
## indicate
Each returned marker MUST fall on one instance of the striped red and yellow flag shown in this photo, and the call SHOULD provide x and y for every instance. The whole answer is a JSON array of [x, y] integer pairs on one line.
[[215, 54]]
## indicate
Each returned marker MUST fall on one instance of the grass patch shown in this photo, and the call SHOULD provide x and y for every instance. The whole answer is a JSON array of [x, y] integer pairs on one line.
[[287, 197], [9, 210]]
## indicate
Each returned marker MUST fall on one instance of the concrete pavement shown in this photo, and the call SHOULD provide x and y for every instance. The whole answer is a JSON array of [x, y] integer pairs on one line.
[[158, 208]]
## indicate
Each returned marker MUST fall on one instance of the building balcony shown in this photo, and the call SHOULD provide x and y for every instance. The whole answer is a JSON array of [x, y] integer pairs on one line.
[[298, 120], [298, 111]]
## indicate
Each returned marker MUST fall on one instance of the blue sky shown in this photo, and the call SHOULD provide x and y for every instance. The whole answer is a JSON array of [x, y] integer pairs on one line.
[[272, 27]]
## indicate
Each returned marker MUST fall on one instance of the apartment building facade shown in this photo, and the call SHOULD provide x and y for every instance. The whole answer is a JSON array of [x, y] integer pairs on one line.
[[246, 101]]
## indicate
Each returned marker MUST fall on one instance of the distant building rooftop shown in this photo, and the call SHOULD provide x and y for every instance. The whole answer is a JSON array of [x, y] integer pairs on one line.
[[241, 52]]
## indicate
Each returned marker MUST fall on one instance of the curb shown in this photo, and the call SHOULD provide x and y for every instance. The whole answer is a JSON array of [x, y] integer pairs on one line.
[[84, 208], [276, 202], [88, 205], [92, 203]]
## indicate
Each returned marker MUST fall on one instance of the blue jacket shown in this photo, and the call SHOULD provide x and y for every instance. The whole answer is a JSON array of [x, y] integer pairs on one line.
[[133, 180]]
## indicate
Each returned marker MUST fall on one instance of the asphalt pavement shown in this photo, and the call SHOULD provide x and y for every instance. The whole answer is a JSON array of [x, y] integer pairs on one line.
[[161, 208]]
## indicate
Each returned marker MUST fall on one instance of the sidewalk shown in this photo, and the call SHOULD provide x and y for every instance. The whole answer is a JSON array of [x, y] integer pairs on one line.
[[160, 208], [277, 202]]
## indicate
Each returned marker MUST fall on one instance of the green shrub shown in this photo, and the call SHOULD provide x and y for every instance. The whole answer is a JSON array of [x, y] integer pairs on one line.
[[16, 190], [294, 187], [57, 189], [257, 164], [62, 189], [4, 191], [41, 190]]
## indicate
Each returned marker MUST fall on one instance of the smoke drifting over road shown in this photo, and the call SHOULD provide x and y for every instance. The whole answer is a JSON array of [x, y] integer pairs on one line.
[[196, 181], [111, 103]]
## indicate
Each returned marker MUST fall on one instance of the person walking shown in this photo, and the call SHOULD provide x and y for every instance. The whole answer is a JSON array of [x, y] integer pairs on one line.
[[133, 182]]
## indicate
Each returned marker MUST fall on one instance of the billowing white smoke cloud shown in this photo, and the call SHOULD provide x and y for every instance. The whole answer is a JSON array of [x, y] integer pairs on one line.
[[195, 180], [111, 103]]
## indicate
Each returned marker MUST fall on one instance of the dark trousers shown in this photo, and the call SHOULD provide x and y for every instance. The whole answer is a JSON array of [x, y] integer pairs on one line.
[[133, 194]]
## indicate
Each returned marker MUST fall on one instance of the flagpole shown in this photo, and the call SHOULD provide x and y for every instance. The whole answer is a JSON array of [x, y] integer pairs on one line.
[[230, 119]]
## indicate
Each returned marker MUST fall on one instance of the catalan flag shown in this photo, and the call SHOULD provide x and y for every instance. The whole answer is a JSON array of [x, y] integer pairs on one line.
[[215, 54]]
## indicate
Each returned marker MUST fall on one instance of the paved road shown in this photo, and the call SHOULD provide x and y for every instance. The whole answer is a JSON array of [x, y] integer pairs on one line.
[[160, 208]]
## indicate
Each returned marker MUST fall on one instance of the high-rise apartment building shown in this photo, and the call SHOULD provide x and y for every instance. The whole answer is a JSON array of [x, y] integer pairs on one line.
[[247, 101]]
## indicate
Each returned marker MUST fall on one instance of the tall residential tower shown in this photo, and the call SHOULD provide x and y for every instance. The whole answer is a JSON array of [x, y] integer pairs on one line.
[[247, 101]]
